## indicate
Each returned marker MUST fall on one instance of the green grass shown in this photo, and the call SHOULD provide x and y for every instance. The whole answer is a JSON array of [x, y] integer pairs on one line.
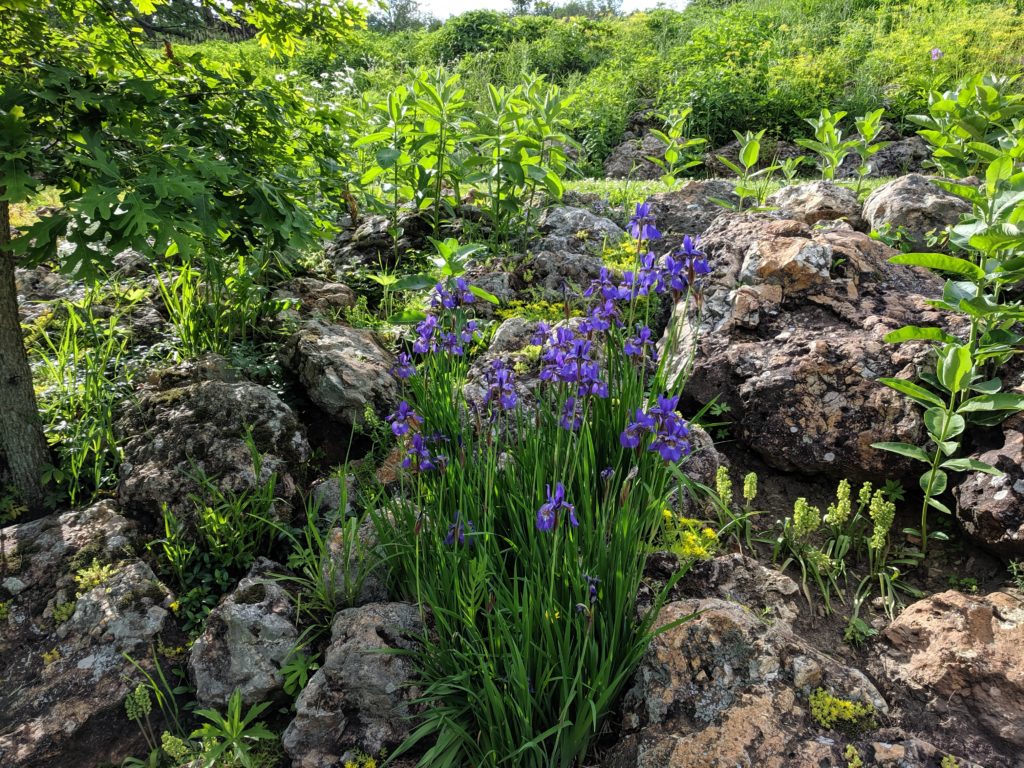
[[622, 192]]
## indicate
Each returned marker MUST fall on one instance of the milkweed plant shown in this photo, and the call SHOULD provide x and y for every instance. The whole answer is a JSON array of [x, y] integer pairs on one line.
[[533, 488]]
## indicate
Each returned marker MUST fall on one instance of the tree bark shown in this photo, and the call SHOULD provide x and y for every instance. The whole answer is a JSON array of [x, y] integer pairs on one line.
[[21, 430]]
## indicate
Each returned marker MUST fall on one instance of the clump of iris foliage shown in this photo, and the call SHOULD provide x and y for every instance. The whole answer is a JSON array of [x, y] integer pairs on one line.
[[526, 512]]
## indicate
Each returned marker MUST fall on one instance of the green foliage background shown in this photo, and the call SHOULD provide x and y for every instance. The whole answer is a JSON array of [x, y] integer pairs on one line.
[[743, 65]]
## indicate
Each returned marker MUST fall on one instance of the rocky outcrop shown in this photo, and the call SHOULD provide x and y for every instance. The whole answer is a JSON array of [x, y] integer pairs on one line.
[[963, 655], [246, 640], [76, 600], [371, 243], [196, 417], [629, 160], [689, 210], [792, 338], [342, 369], [990, 508], [725, 688], [817, 201], [914, 206], [360, 697], [316, 297], [901, 156], [579, 230]]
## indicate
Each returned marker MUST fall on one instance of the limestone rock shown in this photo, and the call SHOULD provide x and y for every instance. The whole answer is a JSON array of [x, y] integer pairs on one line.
[[792, 338], [916, 205], [629, 159], [725, 689], [360, 697], [64, 681], [246, 640], [817, 201], [689, 210], [964, 656], [991, 508], [342, 369], [195, 416]]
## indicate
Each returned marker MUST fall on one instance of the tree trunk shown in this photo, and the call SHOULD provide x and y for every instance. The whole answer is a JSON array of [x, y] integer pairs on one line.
[[21, 431]]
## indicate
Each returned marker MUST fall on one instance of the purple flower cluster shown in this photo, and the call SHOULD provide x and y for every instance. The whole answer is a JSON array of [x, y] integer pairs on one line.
[[547, 515], [420, 458], [675, 273], [430, 337], [404, 367], [569, 359], [642, 344], [501, 385], [641, 226], [405, 419], [456, 296], [667, 428]]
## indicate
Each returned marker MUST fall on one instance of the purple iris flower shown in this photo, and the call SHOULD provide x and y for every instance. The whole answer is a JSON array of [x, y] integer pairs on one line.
[[457, 532], [639, 345], [937, 54], [404, 419], [547, 515], [450, 299], [425, 341], [404, 367], [419, 457], [668, 430], [572, 415], [641, 226], [500, 385]]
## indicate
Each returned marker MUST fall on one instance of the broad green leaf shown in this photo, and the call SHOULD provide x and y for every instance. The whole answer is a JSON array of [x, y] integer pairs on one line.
[[485, 295], [904, 449], [420, 282], [914, 391], [933, 502], [935, 420], [940, 262], [937, 479], [919, 333], [965, 465], [1002, 401]]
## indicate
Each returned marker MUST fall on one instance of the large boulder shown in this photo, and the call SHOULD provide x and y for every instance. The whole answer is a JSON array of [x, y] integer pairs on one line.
[[817, 201], [791, 337], [371, 242], [629, 160], [963, 656], [727, 688], [563, 228], [246, 640], [915, 206], [77, 600], [900, 157], [196, 417], [360, 698], [990, 508], [342, 369]]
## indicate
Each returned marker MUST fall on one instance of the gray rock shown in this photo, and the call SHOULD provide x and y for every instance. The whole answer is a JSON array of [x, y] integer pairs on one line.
[[817, 201], [792, 338], [900, 157], [689, 210], [558, 272], [64, 684], [342, 369], [990, 508], [564, 228], [195, 416], [726, 688], [360, 697], [915, 205], [629, 159], [246, 640], [316, 297]]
